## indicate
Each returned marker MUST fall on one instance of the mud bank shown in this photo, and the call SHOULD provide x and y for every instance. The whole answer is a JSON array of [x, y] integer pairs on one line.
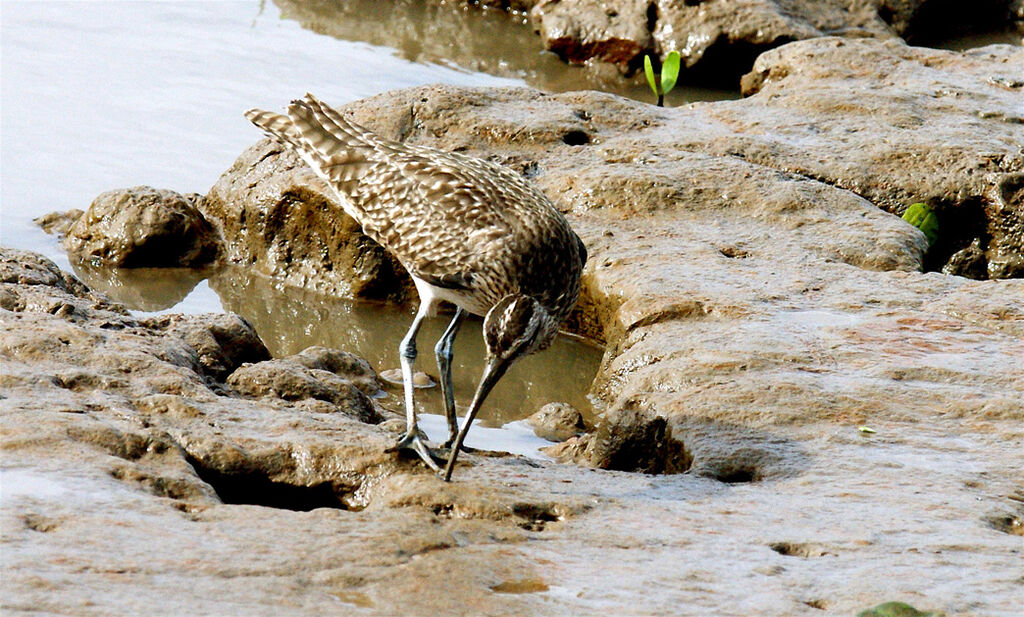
[[758, 304], [132, 469]]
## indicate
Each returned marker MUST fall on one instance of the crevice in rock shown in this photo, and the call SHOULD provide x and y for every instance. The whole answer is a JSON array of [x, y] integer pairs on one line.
[[963, 240], [253, 487], [40, 523], [940, 19], [1012, 524], [725, 61]]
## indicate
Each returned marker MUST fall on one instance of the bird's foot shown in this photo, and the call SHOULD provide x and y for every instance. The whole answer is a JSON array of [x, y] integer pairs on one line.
[[447, 446], [412, 441]]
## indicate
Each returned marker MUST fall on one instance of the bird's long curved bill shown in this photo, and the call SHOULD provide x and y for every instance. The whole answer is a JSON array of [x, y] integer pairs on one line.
[[493, 371]]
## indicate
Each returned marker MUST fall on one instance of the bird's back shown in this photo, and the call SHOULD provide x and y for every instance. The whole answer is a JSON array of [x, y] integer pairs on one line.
[[457, 222]]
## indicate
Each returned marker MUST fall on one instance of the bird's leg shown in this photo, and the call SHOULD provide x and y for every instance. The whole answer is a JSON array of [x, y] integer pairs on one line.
[[443, 351], [407, 351]]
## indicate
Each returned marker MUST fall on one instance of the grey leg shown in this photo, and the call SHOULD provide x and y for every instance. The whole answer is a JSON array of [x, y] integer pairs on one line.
[[443, 351], [407, 351]]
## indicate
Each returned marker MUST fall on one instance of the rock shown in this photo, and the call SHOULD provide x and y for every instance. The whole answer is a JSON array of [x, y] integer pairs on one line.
[[557, 422], [637, 440], [222, 342], [722, 38], [341, 363], [968, 168], [420, 379], [758, 298], [59, 222], [282, 222], [93, 441], [142, 227], [291, 381], [581, 30]]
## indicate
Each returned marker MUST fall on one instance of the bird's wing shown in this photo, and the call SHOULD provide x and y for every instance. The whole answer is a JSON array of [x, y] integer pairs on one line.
[[444, 216]]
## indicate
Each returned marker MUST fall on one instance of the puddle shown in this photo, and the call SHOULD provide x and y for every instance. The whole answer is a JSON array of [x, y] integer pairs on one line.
[[526, 585], [149, 290], [291, 319]]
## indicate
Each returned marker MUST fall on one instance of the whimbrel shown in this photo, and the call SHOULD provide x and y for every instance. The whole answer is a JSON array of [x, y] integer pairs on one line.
[[469, 231]]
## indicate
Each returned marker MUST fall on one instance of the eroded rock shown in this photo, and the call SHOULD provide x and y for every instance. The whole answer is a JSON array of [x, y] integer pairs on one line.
[[557, 422], [142, 227], [630, 439], [291, 381], [580, 30], [721, 38], [342, 363], [223, 342]]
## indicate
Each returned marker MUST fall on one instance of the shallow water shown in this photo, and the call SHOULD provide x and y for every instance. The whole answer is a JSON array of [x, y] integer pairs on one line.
[[291, 320]]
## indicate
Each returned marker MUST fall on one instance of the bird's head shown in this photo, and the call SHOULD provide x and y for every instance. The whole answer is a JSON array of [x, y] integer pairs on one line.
[[516, 326]]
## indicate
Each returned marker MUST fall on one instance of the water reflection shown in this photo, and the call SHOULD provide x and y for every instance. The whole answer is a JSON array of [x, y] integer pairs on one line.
[[290, 319], [486, 41], [141, 289]]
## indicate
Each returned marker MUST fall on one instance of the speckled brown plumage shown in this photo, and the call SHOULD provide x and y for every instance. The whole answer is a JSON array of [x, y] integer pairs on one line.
[[461, 223]]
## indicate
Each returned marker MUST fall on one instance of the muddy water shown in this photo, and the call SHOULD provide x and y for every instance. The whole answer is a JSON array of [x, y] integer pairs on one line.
[[289, 320]]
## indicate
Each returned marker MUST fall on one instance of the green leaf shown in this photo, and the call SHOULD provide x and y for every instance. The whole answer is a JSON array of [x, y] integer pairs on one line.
[[649, 71], [923, 217], [670, 72], [866, 429]]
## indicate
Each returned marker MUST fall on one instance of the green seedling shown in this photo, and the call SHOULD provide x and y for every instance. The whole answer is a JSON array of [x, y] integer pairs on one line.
[[923, 217], [667, 80]]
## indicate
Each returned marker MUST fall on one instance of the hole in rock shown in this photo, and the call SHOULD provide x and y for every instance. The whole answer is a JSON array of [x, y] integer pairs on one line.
[[255, 488], [535, 518], [959, 226], [941, 19], [735, 476], [798, 549], [576, 138], [724, 62], [1007, 523]]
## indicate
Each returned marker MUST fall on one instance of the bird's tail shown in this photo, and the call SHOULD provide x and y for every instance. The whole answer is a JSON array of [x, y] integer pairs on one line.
[[278, 126], [338, 150]]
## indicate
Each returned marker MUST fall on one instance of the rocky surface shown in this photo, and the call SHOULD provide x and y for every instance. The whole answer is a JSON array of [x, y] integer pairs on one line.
[[140, 227], [607, 39], [723, 37], [758, 305]]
